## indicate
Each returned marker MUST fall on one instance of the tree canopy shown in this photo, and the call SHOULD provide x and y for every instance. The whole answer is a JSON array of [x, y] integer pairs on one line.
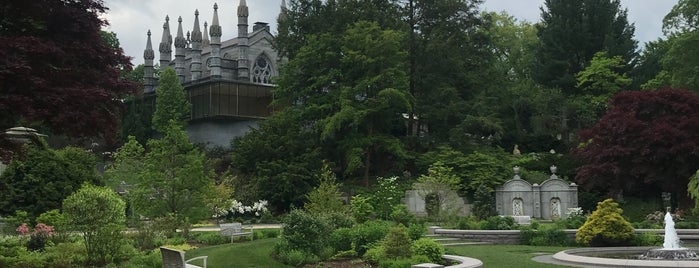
[[56, 70], [647, 140]]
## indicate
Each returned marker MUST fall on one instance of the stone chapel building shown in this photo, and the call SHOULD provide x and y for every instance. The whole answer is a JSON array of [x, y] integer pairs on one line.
[[228, 82]]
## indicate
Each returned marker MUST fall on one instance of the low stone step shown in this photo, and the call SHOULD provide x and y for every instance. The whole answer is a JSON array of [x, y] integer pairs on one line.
[[466, 243]]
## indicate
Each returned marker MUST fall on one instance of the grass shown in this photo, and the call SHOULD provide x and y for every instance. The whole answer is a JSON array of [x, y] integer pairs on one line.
[[257, 254], [254, 254]]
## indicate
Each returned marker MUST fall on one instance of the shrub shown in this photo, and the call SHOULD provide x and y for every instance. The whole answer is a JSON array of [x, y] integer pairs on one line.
[[270, 232], [296, 257], [211, 238], [429, 248], [648, 239], [339, 220], [468, 223], [402, 215], [52, 217], [366, 234], [12, 222], [66, 255], [500, 223], [305, 232], [341, 239], [606, 227], [361, 208], [397, 243], [416, 230]]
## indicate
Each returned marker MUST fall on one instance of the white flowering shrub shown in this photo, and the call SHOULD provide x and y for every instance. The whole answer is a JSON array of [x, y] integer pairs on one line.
[[235, 208]]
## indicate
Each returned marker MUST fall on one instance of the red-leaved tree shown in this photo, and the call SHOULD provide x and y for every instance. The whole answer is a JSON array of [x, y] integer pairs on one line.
[[57, 72], [647, 140]]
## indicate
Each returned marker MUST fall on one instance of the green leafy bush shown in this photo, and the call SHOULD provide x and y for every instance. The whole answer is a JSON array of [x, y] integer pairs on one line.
[[397, 243], [429, 248], [303, 232], [648, 239], [468, 223], [366, 234], [65, 255], [361, 208], [402, 215], [606, 227], [341, 239], [416, 230], [500, 223], [375, 254], [211, 238]]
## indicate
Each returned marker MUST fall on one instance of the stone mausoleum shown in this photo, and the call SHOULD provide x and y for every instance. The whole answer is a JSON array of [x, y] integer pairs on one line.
[[549, 200], [228, 82]]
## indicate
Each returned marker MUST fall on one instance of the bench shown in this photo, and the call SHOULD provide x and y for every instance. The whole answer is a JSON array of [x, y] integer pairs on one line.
[[236, 229], [173, 258]]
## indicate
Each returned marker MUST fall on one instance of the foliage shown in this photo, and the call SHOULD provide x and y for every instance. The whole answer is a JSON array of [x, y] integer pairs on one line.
[[39, 180], [648, 240], [499, 223], [52, 218], [428, 247], [281, 177], [544, 236], [440, 182], [397, 243], [173, 179], [303, 232], [598, 82], [605, 227], [98, 213], [682, 18], [572, 32], [54, 49], [483, 201], [402, 215], [171, 102], [326, 197], [361, 208], [367, 234], [15, 220], [385, 196], [693, 190], [644, 141]]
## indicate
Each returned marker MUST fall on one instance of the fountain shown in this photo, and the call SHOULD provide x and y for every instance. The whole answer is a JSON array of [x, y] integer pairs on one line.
[[670, 255], [671, 245]]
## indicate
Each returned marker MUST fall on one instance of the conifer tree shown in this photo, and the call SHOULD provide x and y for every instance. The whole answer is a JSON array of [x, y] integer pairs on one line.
[[171, 102]]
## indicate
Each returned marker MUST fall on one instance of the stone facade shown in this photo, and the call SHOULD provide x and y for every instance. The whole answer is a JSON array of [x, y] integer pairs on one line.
[[228, 82], [549, 200]]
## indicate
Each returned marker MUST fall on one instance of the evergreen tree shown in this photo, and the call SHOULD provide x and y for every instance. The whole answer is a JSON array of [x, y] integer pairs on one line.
[[571, 32], [171, 102]]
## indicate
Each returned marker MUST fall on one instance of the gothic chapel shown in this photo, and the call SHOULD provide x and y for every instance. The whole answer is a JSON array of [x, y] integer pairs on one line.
[[228, 82]]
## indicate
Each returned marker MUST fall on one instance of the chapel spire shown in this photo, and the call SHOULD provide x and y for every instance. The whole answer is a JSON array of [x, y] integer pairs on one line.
[[282, 12], [180, 45], [205, 37], [243, 68], [148, 56], [215, 32], [196, 48], [165, 44]]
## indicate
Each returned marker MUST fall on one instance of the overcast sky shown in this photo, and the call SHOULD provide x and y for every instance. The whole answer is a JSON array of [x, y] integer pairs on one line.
[[131, 19]]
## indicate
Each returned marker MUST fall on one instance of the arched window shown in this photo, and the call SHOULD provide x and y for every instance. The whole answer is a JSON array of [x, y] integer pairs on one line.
[[262, 71]]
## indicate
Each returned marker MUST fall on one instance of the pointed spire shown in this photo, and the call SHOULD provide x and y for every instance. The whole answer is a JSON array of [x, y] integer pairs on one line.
[[165, 44], [282, 11], [148, 54], [179, 40], [196, 32], [215, 29], [205, 40], [243, 9]]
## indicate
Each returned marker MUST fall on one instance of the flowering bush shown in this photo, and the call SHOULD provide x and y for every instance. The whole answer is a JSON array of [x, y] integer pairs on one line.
[[233, 207], [23, 229]]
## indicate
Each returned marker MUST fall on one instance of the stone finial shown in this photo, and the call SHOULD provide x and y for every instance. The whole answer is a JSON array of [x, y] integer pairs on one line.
[[215, 29], [180, 41], [196, 32], [243, 9], [148, 54], [553, 169], [516, 170], [282, 11], [205, 36], [165, 41]]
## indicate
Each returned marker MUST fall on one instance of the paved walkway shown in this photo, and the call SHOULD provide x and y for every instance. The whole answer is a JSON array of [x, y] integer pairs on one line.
[[254, 226]]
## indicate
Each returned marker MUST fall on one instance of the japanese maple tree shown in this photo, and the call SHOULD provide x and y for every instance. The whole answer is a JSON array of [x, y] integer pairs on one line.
[[57, 72], [647, 140]]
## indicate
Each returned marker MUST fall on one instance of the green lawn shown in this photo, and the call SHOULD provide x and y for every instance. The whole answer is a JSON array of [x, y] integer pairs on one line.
[[257, 254]]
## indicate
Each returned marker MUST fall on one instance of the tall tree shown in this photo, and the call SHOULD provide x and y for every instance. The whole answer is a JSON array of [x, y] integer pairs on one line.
[[571, 32], [171, 102], [57, 71], [645, 143], [356, 99]]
